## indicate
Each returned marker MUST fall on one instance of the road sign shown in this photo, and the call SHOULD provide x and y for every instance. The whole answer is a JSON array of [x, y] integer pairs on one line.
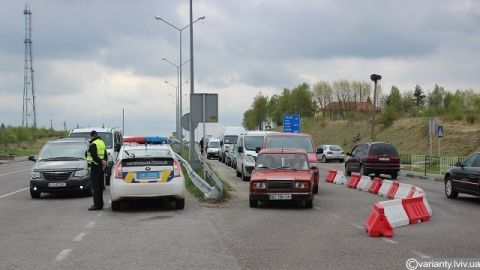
[[291, 123], [440, 131], [185, 118], [210, 101]]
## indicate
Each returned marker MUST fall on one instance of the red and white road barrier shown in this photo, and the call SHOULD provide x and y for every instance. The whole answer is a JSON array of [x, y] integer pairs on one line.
[[386, 185], [330, 176], [404, 191], [353, 181], [375, 186], [340, 178], [393, 189], [364, 183], [416, 209], [377, 224], [395, 213]]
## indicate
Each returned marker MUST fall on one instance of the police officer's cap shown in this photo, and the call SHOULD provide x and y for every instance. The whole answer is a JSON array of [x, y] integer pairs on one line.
[[93, 133]]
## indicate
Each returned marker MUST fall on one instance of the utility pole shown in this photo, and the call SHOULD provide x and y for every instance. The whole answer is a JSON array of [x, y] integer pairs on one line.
[[64, 125], [51, 124], [29, 111], [375, 78]]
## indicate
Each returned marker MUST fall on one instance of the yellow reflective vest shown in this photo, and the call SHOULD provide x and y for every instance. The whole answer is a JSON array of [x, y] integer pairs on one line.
[[100, 145]]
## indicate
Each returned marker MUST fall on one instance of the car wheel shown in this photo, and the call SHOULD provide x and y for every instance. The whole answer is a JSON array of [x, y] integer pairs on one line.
[[347, 171], [363, 171], [253, 203], [35, 194], [309, 203], [115, 205], [244, 178], [394, 175], [324, 159], [449, 191], [315, 189], [179, 204]]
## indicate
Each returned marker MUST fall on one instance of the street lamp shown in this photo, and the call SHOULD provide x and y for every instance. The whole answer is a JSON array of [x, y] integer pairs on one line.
[[375, 78], [179, 67]]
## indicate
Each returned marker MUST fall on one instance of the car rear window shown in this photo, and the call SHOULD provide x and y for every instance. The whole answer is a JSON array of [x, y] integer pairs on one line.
[[285, 142], [383, 149], [335, 148]]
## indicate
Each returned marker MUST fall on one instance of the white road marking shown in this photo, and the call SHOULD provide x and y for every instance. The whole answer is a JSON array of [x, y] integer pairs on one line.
[[389, 241], [62, 254], [421, 255], [79, 237], [15, 172], [356, 226], [333, 215], [90, 224], [11, 193]]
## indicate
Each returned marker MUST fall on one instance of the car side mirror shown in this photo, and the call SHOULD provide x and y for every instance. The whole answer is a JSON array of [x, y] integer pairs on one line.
[[240, 149], [319, 150], [257, 149], [117, 147], [32, 158]]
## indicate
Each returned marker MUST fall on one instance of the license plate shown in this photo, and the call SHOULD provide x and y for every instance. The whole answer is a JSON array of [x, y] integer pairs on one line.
[[384, 159], [148, 175], [57, 184], [280, 196]]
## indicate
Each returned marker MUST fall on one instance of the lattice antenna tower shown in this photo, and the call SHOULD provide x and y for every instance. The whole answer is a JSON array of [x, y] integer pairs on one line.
[[29, 113]]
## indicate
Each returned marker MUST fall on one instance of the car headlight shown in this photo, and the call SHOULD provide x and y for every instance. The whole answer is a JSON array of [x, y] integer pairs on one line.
[[35, 175], [250, 160], [81, 173], [260, 185], [301, 185]]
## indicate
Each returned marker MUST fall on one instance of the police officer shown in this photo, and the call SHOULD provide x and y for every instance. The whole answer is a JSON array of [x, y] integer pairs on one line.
[[96, 159]]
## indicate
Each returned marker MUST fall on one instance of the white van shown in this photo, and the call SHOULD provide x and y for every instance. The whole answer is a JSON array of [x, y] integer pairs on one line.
[[228, 140], [113, 141], [246, 154], [213, 148]]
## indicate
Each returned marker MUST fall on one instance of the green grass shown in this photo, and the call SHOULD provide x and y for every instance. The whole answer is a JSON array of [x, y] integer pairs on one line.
[[20, 141]]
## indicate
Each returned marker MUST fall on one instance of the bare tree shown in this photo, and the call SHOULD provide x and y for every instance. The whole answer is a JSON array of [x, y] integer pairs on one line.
[[323, 94], [343, 93]]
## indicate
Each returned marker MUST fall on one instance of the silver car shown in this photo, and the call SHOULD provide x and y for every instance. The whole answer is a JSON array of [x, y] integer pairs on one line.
[[328, 152]]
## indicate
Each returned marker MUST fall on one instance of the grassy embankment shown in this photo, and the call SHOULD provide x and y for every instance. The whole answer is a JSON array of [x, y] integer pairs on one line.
[[408, 134], [196, 192], [20, 141]]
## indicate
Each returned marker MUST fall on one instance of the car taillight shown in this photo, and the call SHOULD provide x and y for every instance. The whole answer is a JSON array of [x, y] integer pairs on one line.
[[176, 169], [118, 170]]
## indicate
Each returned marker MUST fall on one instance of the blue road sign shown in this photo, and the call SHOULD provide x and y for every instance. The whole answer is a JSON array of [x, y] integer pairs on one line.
[[440, 131], [291, 123]]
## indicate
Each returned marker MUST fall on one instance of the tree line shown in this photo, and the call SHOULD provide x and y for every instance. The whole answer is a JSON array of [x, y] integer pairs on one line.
[[307, 101]]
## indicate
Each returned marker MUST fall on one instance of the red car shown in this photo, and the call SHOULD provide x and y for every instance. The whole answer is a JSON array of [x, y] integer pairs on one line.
[[295, 141], [282, 174]]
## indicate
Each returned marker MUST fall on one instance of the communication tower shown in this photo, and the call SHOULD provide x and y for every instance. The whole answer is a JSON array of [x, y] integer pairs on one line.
[[29, 114]]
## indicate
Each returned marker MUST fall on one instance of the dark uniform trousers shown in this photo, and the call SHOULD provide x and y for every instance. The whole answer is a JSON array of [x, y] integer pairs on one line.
[[97, 175]]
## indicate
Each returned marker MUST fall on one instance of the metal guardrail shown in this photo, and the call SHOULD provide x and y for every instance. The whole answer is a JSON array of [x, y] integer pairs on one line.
[[209, 192], [428, 164]]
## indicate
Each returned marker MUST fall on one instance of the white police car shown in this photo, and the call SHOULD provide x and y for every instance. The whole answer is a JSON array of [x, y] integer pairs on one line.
[[146, 168]]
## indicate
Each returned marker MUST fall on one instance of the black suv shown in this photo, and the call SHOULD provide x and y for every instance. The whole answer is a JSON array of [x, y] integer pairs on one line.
[[373, 157]]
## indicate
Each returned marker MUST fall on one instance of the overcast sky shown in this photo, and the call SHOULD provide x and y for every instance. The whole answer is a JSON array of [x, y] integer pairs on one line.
[[93, 58]]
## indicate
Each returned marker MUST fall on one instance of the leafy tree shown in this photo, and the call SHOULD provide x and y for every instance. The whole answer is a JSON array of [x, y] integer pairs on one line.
[[435, 99], [302, 101], [323, 93], [249, 119], [419, 99], [394, 100]]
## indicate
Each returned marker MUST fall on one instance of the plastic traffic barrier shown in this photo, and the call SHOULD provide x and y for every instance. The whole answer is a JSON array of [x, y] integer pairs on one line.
[[386, 185], [353, 181], [375, 186], [418, 192], [393, 190], [404, 191], [330, 176], [340, 178], [427, 205], [416, 210], [377, 224], [364, 183], [395, 213]]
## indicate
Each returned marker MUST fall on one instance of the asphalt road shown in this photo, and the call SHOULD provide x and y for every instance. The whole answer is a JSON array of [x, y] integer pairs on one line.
[[57, 231]]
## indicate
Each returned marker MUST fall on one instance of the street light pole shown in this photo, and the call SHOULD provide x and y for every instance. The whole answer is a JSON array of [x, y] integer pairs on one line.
[[191, 149], [181, 64], [375, 78]]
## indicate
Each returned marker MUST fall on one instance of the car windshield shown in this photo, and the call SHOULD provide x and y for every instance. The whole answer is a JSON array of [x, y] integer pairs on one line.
[[63, 151], [383, 149], [283, 142], [230, 139], [105, 136], [335, 148], [142, 153], [214, 144], [252, 142], [282, 161]]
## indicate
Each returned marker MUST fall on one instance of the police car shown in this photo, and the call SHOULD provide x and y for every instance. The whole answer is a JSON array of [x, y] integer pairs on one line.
[[146, 168]]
